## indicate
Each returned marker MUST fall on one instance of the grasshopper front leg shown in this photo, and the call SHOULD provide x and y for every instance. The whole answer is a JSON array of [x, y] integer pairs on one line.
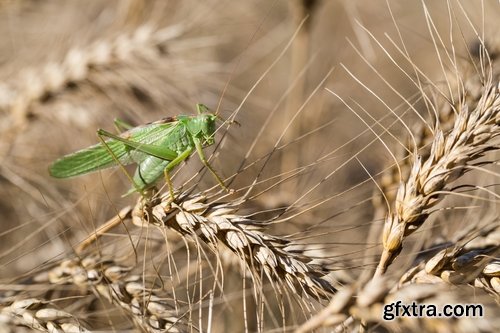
[[199, 149]]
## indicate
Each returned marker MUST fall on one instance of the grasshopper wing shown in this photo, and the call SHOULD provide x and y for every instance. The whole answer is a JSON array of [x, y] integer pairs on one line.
[[90, 159], [98, 156]]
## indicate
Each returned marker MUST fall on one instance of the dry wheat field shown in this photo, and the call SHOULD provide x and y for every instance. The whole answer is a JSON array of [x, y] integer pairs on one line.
[[357, 140]]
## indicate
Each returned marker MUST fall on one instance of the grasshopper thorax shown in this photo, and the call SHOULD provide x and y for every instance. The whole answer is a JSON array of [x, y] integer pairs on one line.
[[201, 126]]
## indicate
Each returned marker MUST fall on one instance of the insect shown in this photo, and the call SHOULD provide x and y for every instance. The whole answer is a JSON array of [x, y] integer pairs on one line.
[[156, 148]]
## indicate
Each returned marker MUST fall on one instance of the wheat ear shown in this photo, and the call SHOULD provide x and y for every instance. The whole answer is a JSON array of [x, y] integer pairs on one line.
[[112, 281], [35, 84], [450, 155], [215, 223], [366, 304], [37, 315], [472, 259]]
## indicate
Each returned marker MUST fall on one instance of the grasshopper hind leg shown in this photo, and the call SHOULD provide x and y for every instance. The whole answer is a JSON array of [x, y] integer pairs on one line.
[[150, 169], [136, 187], [168, 180]]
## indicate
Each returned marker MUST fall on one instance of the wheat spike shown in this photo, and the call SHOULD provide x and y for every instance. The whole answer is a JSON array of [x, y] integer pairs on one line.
[[216, 223], [470, 87], [113, 282], [34, 84], [474, 260], [450, 154], [352, 306], [37, 315]]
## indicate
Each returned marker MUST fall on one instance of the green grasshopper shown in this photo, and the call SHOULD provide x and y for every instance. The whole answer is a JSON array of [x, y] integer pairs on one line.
[[156, 148]]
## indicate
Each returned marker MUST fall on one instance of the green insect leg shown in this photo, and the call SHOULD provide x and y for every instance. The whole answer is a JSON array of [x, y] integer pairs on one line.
[[162, 153], [136, 186], [203, 159], [150, 149], [172, 164]]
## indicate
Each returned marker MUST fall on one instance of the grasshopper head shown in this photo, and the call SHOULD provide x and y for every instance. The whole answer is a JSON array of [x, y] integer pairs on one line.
[[208, 128], [203, 125]]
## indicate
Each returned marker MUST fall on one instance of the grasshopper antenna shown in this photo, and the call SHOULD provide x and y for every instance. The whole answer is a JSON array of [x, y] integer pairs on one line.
[[230, 120], [224, 121]]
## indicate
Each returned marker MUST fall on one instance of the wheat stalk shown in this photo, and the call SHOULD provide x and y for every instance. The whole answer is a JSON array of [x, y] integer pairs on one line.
[[391, 177]]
